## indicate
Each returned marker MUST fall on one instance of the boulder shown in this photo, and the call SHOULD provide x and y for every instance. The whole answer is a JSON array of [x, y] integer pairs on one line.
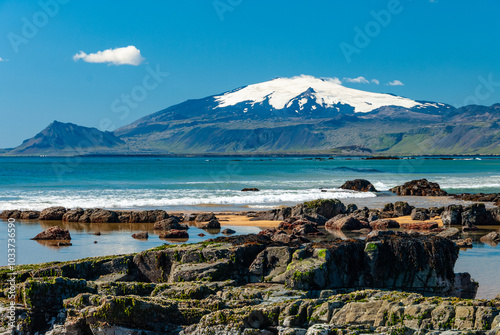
[[306, 229], [384, 224], [402, 208], [169, 224], [73, 215], [52, 213], [420, 214], [143, 235], [325, 207], [475, 215], [452, 215], [253, 189], [420, 187], [361, 185], [492, 238], [228, 231], [10, 214], [351, 208], [54, 233], [204, 217], [451, 233], [189, 217], [29, 215], [212, 224], [100, 215], [174, 233], [345, 222]]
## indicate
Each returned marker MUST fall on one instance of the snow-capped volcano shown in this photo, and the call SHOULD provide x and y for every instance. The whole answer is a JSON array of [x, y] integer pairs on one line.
[[306, 91]]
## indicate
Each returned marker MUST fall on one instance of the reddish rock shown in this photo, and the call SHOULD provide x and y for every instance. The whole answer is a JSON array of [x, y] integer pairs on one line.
[[53, 233], [174, 233]]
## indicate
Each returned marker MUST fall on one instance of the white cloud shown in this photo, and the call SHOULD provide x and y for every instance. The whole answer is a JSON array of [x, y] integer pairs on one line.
[[376, 81], [395, 83], [120, 56], [359, 80], [2, 59]]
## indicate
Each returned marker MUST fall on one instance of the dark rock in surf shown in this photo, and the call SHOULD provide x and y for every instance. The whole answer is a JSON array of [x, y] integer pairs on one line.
[[420, 187], [360, 185]]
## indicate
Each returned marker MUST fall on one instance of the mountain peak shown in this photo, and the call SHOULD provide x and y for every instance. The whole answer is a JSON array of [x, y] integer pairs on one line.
[[280, 93], [59, 137]]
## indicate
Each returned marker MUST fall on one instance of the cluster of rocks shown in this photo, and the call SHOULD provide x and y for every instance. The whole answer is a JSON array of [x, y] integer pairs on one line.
[[255, 285], [170, 225], [470, 216], [420, 187], [479, 197]]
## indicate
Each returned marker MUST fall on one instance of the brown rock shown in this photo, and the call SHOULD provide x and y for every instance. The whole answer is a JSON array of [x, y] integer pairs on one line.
[[174, 233], [420, 187], [53, 233], [421, 225], [204, 217], [344, 222], [384, 224], [143, 235], [103, 216], [52, 213]]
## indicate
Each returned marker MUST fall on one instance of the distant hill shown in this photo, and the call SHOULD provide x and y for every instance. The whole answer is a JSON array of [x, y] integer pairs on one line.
[[68, 139], [289, 116]]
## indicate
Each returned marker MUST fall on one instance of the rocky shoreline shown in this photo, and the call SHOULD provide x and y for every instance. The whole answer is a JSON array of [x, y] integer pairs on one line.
[[295, 279], [251, 284]]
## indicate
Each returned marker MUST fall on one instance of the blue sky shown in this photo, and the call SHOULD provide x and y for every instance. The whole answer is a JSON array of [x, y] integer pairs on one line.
[[441, 50]]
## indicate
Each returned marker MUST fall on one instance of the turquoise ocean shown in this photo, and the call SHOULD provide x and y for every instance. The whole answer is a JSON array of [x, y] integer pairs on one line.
[[214, 184]]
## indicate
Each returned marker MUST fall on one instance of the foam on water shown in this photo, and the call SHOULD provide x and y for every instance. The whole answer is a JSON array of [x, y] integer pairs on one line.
[[130, 198]]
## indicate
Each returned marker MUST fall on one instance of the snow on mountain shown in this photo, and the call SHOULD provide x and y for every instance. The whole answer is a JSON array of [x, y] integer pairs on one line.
[[327, 93]]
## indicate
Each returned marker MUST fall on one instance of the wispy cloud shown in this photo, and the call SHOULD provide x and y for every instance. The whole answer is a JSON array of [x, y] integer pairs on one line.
[[361, 80], [2, 59], [120, 56], [395, 83], [358, 80]]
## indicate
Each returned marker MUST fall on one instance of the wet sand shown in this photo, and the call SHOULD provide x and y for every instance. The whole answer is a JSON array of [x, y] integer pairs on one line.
[[244, 221]]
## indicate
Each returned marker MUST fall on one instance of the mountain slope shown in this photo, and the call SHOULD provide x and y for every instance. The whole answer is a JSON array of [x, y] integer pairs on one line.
[[288, 116], [67, 138]]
